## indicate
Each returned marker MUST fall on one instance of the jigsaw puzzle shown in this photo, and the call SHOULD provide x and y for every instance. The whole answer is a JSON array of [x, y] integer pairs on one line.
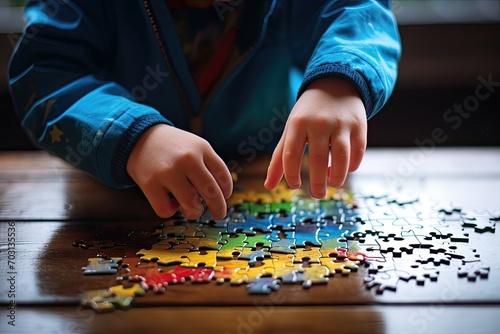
[[283, 237]]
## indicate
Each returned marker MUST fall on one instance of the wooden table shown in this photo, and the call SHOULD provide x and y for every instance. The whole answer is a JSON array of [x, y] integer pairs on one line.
[[45, 205]]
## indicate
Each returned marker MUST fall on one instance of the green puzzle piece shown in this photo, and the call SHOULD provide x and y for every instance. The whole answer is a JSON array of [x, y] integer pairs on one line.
[[229, 243]]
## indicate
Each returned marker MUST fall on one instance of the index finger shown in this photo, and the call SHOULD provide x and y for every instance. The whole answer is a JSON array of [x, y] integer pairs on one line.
[[208, 188]]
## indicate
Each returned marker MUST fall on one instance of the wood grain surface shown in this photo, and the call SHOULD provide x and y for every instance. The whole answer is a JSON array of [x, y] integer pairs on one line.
[[50, 205]]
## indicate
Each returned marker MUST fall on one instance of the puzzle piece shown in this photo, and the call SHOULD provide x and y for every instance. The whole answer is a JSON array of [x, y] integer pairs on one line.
[[172, 228], [283, 246], [308, 276], [309, 254], [409, 269], [191, 228], [252, 256], [473, 270], [221, 275], [173, 243], [461, 252], [158, 281], [100, 266], [293, 276], [315, 274], [396, 248], [133, 290], [245, 275], [436, 259], [480, 223], [225, 269], [452, 232], [266, 239], [263, 285], [370, 249], [105, 301], [284, 222], [195, 275], [229, 243], [306, 233], [250, 225], [258, 240], [332, 248], [282, 259], [212, 235], [202, 258], [307, 206], [203, 243], [135, 270], [163, 256], [383, 280], [343, 267], [390, 229]]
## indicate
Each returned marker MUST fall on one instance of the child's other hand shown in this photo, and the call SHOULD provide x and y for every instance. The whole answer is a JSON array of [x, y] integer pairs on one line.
[[330, 117], [166, 159]]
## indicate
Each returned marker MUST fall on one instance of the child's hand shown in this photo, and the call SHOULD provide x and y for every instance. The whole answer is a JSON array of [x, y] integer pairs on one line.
[[330, 117], [166, 159]]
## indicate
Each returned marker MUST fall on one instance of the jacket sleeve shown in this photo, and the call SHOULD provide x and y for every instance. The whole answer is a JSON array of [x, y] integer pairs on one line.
[[356, 39], [61, 102]]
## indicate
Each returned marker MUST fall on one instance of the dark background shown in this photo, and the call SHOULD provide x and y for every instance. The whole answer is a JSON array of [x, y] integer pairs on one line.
[[447, 46]]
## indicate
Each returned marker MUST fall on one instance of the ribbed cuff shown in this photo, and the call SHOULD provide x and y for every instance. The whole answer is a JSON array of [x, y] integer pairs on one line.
[[127, 143]]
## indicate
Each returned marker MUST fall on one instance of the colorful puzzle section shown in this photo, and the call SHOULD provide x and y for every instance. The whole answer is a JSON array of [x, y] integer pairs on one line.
[[281, 237]]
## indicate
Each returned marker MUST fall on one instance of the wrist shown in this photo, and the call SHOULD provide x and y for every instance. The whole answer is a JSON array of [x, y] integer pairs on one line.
[[334, 85], [140, 147]]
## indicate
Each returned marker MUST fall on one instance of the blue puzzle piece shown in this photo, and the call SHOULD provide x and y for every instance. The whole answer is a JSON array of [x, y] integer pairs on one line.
[[286, 246], [307, 234], [100, 266], [250, 224], [283, 222], [263, 285], [254, 255]]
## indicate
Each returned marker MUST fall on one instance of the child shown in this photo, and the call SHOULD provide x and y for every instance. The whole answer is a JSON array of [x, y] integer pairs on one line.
[[153, 93]]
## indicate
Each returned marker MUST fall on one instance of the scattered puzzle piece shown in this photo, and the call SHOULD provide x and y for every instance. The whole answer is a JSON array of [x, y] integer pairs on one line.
[[409, 270], [263, 285], [383, 280], [100, 266], [134, 290], [315, 274], [105, 301], [480, 223], [473, 270], [277, 237]]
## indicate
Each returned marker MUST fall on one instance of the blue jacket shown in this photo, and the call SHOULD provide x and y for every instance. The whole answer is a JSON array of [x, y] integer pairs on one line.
[[88, 77]]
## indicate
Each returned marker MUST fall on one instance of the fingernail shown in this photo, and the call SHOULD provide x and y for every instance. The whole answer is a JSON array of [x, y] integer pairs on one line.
[[320, 194]]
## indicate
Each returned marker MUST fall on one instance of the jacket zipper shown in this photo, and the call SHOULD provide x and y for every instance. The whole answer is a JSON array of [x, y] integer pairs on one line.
[[231, 71], [195, 122], [177, 82]]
